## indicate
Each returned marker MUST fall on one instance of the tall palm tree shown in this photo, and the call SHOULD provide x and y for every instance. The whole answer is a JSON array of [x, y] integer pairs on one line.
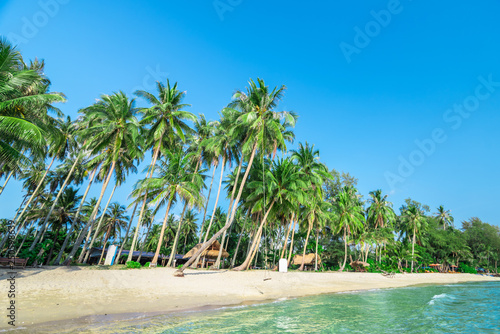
[[415, 221], [114, 131], [166, 123], [259, 121], [444, 216], [175, 179], [115, 221], [283, 185], [349, 214]]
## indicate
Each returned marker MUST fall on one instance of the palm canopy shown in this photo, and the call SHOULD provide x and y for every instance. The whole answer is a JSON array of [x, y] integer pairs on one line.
[[24, 101], [444, 216], [380, 212]]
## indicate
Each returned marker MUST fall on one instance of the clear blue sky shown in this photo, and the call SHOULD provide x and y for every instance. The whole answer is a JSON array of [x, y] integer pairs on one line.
[[368, 79]]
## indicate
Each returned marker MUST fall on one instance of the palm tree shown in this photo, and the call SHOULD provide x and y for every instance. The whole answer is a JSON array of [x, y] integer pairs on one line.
[[284, 186], [113, 132], [165, 120], [444, 216], [380, 212], [415, 221], [24, 100], [114, 222], [175, 178], [349, 214], [259, 121]]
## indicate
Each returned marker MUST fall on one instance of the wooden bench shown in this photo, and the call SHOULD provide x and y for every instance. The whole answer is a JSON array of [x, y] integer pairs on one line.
[[17, 262]]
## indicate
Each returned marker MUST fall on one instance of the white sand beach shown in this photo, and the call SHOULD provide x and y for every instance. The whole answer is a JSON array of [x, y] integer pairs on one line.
[[63, 293]]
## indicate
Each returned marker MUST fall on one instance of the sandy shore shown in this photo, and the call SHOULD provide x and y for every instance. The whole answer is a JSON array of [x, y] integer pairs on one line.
[[57, 293]]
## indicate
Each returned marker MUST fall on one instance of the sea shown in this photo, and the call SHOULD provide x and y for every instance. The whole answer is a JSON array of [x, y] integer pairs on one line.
[[452, 308]]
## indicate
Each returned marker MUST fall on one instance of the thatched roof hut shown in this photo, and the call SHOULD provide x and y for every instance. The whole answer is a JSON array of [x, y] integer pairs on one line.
[[309, 259], [359, 265], [211, 252]]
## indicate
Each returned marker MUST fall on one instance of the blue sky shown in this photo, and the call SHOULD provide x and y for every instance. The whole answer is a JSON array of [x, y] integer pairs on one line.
[[369, 80]]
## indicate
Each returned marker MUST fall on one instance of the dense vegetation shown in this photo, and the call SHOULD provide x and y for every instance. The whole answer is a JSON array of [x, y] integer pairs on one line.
[[281, 202]]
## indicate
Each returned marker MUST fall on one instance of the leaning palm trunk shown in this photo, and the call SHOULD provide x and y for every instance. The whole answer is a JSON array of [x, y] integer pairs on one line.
[[176, 239], [104, 243], [291, 243], [6, 181], [207, 232], [91, 220], [27, 232], [179, 272], [301, 268], [33, 195], [99, 225], [126, 233], [256, 241], [75, 219], [286, 237], [144, 200], [144, 242], [61, 190], [238, 245], [37, 188], [206, 205], [162, 233]]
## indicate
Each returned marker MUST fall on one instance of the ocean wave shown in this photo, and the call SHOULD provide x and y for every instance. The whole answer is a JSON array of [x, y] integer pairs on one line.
[[443, 295]]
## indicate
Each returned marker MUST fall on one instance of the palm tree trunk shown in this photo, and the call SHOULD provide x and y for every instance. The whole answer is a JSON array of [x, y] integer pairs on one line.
[[215, 208], [126, 233], [301, 268], [176, 239], [289, 225], [37, 188], [345, 249], [144, 200], [27, 231], [413, 248], [99, 224], [291, 242], [160, 240], [61, 190], [316, 254], [179, 272], [6, 181], [206, 205], [75, 219], [104, 243], [238, 245], [91, 220], [256, 241], [145, 240]]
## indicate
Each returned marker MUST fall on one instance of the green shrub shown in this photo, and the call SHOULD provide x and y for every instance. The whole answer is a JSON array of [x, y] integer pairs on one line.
[[463, 268], [146, 265], [133, 264]]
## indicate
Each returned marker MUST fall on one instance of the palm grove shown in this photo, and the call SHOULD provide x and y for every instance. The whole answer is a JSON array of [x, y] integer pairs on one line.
[[281, 202]]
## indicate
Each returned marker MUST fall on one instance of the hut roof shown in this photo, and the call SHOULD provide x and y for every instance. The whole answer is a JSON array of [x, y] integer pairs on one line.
[[210, 252], [308, 259], [359, 263]]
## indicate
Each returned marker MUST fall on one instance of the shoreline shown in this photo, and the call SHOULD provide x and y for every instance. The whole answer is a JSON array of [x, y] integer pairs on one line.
[[87, 295]]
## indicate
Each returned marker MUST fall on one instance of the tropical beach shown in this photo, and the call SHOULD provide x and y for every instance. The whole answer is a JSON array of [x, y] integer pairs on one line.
[[197, 172], [55, 293]]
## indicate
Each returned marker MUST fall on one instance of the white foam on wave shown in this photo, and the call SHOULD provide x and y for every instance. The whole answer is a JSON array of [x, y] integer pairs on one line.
[[443, 295]]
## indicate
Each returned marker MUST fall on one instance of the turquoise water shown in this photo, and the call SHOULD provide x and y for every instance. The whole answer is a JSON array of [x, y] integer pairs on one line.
[[457, 308]]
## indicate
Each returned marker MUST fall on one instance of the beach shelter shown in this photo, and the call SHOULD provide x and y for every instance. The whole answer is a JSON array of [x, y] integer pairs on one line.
[[210, 254], [309, 259], [359, 266]]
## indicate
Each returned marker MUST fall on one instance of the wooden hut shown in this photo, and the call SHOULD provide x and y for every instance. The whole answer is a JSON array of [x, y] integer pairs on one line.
[[309, 260], [359, 266], [210, 254]]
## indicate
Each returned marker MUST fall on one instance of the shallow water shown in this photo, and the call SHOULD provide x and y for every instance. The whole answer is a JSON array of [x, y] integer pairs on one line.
[[454, 308]]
